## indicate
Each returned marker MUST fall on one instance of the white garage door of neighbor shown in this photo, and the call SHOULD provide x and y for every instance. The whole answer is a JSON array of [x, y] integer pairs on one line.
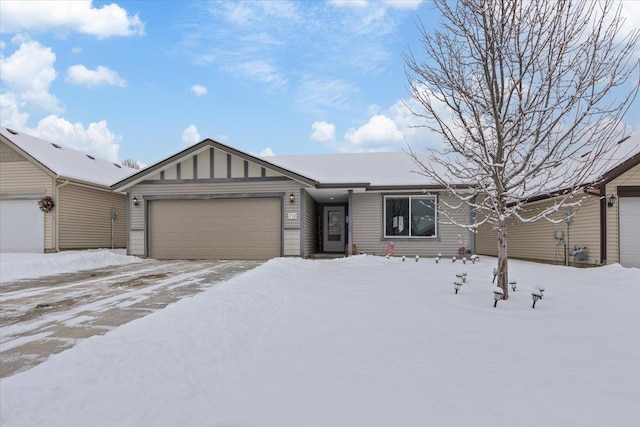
[[21, 226], [215, 229], [629, 212]]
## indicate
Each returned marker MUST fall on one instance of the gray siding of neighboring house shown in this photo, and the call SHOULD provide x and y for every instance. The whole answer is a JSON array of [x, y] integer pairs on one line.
[[368, 229], [536, 242], [85, 218], [629, 178], [19, 178], [310, 224]]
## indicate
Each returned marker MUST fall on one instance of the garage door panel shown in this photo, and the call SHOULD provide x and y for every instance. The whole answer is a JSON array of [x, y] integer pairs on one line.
[[21, 226], [215, 229], [629, 217]]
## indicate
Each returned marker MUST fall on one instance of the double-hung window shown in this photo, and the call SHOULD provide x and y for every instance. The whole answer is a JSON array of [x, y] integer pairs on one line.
[[410, 216]]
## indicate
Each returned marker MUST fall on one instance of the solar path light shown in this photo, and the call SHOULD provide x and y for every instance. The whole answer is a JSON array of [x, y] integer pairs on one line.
[[536, 295], [457, 285], [497, 295]]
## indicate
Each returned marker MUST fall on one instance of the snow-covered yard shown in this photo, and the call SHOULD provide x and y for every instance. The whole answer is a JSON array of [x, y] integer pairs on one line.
[[363, 341]]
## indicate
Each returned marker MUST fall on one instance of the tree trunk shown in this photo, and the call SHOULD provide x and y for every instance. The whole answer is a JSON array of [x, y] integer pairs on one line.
[[503, 271]]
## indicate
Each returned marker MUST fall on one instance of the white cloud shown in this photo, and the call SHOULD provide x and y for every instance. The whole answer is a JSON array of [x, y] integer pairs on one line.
[[323, 131], [29, 72], [81, 75], [199, 90], [64, 16], [378, 131], [266, 152], [96, 139], [403, 4], [349, 3], [261, 71], [76, 50], [191, 136], [10, 115], [361, 4], [373, 109], [319, 95]]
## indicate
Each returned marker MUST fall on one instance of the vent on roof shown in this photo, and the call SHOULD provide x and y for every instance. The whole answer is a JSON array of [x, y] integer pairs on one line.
[[91, 157], [118, 166], [56, 145], [12, 131]]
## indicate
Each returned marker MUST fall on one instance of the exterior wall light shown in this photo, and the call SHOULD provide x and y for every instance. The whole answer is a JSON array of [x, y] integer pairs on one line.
[[513, 285], [135, 201], [612, 200], [292, 197]]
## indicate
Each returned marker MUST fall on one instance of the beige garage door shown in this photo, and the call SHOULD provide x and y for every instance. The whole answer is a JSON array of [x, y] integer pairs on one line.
[[215, 229]]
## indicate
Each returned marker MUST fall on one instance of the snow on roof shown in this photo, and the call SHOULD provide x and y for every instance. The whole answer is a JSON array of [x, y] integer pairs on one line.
[[378, 169], [67, 162]]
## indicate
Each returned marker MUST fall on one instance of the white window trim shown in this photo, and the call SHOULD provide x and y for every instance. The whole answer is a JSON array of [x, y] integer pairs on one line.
[[407, 196]]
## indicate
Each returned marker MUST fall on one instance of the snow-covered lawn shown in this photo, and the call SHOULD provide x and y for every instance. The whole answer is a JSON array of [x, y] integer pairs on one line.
[[363, 341], [30, 266]]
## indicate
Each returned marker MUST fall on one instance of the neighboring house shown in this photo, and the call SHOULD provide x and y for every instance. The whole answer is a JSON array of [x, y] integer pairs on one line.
[[213, 201], [607, 225], [85, 213]]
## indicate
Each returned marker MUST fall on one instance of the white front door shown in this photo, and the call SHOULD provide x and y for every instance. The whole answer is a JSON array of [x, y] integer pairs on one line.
[[629, 217], [333, 234]]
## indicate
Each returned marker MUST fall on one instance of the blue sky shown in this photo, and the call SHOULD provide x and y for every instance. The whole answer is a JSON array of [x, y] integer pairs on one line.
[[145, 79]]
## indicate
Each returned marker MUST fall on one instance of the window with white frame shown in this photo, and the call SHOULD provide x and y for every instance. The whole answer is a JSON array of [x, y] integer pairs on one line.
[[410, 216]]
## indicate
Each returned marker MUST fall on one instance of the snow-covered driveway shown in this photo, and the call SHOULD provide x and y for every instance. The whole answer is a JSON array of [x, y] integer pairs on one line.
[[43, 316]]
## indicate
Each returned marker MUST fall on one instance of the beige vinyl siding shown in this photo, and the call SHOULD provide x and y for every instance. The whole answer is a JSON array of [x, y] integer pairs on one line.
[[228, 188], [237, 167], [535, 241], [310, 223], [186, 169], [23, 176], [85, 218], [219, 164], [255, 171], [171, 172], [631, 177], [368, 229], [204, 171], [8, 154]]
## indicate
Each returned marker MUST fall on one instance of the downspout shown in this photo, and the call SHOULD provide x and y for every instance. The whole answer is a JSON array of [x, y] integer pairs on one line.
[[350, 222], [57, 217], [603, 224]]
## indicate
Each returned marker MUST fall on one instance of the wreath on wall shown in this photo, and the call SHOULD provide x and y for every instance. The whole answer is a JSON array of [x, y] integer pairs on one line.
[[46, 204]]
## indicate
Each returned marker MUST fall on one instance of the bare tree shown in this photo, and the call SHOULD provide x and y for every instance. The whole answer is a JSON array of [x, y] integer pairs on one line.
[[529, 98], [130, 163]]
